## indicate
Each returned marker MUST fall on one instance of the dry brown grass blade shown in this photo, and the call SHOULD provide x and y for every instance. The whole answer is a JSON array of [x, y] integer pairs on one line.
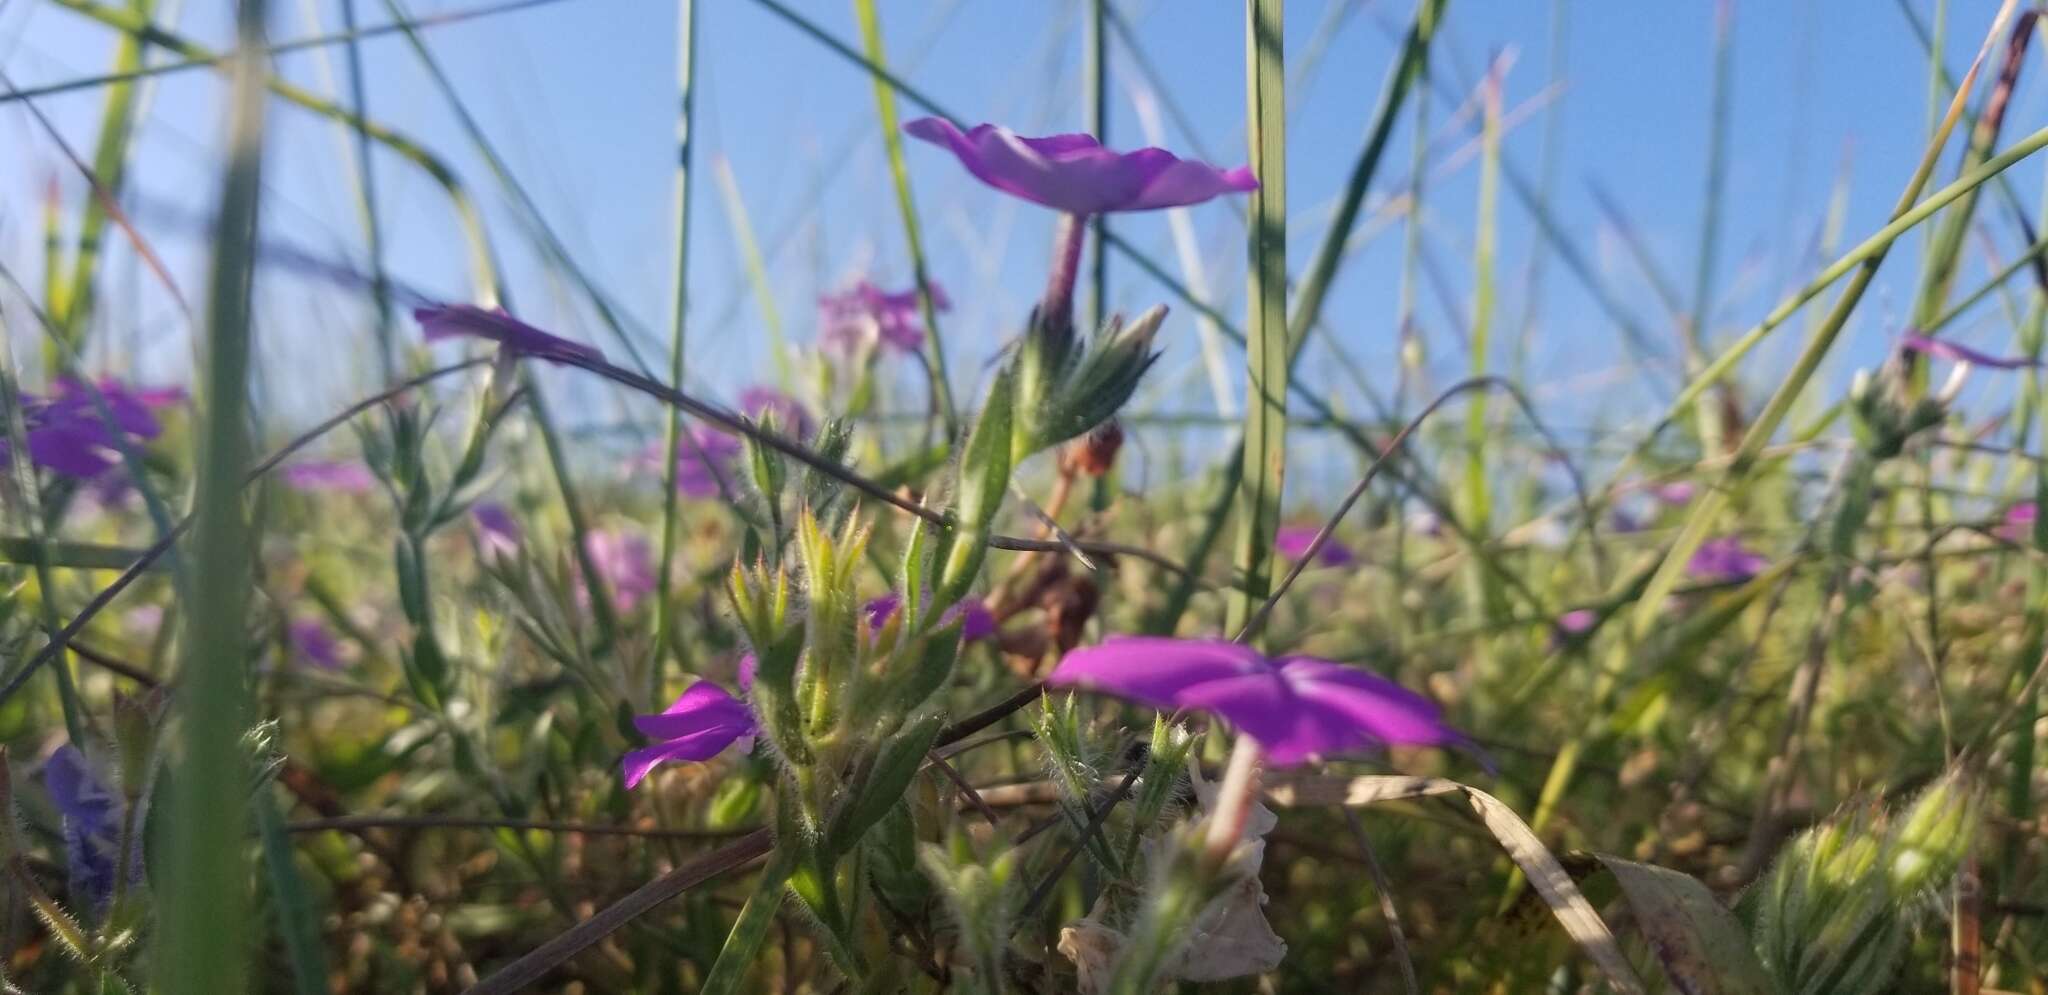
[[1550, 879]]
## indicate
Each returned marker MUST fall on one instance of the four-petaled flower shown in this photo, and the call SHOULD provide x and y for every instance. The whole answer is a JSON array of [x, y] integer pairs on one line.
[[1293, 542], [699, 726], [1954, 353], [1726, 559], [446, 321], [864, 314], [1297, 708], [1075, 174]]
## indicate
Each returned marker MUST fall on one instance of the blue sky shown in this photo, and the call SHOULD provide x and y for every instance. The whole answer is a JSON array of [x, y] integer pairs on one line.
[[579, 96]]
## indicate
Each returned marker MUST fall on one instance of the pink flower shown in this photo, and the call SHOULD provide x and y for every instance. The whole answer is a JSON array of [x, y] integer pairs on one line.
[[334, 476], [2019, 522], [452, 320], [1298, 708], [625, 562], [863, 314], [1075, 174]]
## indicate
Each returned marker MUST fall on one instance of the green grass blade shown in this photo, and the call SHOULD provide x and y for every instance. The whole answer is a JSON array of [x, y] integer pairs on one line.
[[297, 915], [1266, 341], [906, 206], [686, 92], [757, 270], [1697, 327], [109, 161], [1095, 76], [201, 942]]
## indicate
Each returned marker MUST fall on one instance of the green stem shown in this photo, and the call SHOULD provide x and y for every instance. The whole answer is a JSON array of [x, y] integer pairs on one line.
[[1266, 339], [686, 90]]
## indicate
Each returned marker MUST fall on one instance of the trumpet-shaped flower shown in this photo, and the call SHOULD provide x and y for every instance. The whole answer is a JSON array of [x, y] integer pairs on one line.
[[1075, 174], [448, 321], [1297, 708], [864, 313], [699, 726]]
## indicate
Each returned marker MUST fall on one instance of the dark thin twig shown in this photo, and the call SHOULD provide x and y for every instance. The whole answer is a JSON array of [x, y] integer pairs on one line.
[[1388, 910], [973, 796], [155, 552]]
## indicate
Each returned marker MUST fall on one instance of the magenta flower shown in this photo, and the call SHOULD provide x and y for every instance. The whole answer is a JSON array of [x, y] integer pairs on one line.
[[2019, 522], [864, 314], [1293, 542], [1577, 621], [625, 561], [699, 726], [315, 643], [447, 321], [1297, 708], [1726, 559], [332, 476], [1075, 174], [1944, 349], [976, 621], [498, 535], [1674, 494]]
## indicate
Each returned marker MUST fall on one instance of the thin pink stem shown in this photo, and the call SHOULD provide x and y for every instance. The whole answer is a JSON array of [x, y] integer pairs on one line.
[[1056, 310], [1234, 798]]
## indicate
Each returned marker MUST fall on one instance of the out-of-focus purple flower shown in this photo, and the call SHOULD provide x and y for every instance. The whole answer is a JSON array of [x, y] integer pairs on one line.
[[760, 403], [1726, 559], [498, 535], [1075, 174], [1293, 542], [143, 621], [331, 476], [625, 561], [452, 320], [864, 313], [699, 726], [67, 432], [1577, 621], [1622, 521], [705, 461], [1675, 493], [315, 643], [92, 826], [1298, 708], [2019, 522], [1955, 353], [976, 621]]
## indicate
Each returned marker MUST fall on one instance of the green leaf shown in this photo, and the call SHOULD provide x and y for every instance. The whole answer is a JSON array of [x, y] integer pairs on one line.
[[896, 764], [1703, 948]]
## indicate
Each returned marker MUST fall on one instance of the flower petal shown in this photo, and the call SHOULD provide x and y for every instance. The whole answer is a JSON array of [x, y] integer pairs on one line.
[[1075, 174], [703, 705], [1154, 669], [1374, 707], [451, 320]]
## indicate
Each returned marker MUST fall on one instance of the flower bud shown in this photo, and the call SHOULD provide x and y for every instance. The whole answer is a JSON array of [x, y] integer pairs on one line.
[[1094, 455]]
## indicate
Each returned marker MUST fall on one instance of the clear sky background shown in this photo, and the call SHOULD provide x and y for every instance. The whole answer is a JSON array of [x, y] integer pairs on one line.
[[579, 95]]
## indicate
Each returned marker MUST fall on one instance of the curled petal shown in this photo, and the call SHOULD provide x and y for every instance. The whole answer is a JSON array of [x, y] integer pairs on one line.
[[1955, 353], [1075, 174]]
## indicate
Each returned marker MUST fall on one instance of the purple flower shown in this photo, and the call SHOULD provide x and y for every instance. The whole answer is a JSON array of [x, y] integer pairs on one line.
[[68, 434], [451, 320], [976, 621], [1298, 708], [1075, 174], [497, 533], [1944, 349], [705, 461], [92, 826], [2019, 522], [315, 643], [1293, 542], [1725, 559], [1577, 620], [760, 403], [625, 561], [699, 726], [333, 476], [864, 313]]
